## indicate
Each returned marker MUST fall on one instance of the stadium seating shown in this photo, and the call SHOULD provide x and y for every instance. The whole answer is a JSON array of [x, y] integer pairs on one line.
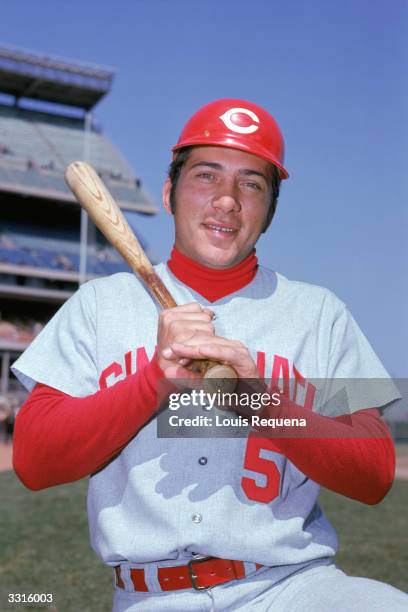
[[57, 254], [36, 148], [18, 134]]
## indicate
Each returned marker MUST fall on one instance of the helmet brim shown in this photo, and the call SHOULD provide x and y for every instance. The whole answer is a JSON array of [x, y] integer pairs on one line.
[[231, 144]]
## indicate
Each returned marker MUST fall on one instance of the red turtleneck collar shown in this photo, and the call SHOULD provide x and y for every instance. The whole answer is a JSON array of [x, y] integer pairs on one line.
[[212, 284]]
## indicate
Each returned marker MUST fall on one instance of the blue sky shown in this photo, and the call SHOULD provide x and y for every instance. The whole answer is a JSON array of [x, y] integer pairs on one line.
[[333, 75]]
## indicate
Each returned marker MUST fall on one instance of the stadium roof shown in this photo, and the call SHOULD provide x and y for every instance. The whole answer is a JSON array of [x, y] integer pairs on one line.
[[25, 74], [36, 148]]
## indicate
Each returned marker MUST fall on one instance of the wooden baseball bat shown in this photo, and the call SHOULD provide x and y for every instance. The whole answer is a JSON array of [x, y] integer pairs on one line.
[[95, 198]]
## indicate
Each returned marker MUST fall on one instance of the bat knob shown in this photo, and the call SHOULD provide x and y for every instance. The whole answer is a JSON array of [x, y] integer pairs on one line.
[[220, 378]]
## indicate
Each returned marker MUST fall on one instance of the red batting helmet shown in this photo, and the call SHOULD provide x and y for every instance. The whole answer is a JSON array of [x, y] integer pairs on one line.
[[237, 124]]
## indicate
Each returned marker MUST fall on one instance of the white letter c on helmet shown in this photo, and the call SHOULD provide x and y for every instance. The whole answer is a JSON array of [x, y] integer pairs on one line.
[[240, 129]]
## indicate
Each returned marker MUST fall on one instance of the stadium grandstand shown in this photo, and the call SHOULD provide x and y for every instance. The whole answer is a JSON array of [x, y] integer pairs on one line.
[[47, 246]]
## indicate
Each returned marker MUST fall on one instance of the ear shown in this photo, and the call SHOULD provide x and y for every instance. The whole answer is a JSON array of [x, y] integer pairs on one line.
[[166, 196]]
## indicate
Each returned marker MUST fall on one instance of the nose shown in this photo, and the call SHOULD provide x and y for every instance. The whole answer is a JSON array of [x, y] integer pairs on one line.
[[226, 199]]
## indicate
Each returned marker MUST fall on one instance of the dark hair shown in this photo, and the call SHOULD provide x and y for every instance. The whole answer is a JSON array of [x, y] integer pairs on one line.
[[182, 156]]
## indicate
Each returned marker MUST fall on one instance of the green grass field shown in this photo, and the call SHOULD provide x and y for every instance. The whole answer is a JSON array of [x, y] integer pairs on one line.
[[44, 546]]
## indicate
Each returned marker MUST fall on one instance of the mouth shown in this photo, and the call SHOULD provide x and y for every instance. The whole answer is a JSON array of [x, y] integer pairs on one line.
[[220, 229]]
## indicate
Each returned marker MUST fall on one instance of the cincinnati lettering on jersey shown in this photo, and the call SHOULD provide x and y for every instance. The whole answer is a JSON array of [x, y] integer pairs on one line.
[[282, 372]]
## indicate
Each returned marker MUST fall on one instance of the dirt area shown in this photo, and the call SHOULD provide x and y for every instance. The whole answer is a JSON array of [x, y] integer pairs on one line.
[[5, 456], [402, 461]]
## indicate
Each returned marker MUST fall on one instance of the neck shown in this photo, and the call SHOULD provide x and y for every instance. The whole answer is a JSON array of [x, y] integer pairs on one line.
[[211, 283]]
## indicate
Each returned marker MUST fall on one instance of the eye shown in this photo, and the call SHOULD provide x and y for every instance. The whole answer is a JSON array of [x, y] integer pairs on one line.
[[252, 186], [207, 176]]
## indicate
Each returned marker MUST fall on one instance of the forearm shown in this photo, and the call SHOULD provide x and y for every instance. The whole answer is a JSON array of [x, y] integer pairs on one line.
[[352, 455], [59, 438]]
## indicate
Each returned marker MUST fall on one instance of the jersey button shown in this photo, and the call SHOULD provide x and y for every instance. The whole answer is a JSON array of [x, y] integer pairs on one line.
[[202, 460], [196, 518]]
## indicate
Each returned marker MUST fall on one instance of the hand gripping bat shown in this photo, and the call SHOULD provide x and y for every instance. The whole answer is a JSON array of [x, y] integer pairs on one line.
[[94, 197]]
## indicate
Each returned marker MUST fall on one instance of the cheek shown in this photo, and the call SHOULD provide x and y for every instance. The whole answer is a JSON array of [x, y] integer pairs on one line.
[[186, 217], [192, 201], [256, 216]]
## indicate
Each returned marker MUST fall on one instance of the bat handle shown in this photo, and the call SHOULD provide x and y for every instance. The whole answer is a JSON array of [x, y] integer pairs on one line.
[[159, 290], [218, 377]]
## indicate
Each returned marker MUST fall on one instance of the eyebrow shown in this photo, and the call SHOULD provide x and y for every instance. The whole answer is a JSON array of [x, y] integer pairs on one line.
[[244, 171]]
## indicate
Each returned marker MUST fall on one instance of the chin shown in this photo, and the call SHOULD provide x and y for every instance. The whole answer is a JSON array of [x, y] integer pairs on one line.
[[218, 260]]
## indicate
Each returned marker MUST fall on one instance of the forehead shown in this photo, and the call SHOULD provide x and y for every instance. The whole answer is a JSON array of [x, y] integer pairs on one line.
[[228, 159]]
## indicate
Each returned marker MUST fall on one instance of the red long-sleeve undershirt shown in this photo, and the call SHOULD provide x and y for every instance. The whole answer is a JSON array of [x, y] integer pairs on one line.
[[59, 438], [353, 454]]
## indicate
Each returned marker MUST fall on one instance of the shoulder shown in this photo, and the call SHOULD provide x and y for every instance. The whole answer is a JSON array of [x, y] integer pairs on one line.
[[114, 287], [120, 280], [118, 292], [306, 295]]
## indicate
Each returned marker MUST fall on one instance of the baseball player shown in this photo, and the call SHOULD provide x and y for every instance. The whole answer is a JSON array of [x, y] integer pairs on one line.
[[212, 522]]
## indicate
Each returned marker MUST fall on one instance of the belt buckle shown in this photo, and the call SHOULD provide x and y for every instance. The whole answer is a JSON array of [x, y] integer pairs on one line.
[[197, 559]]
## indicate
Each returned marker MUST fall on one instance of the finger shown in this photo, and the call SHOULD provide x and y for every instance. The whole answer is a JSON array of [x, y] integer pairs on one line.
[[195, 327], [225, 353], [194, 351], [192, 307], [178, 350], [239, 359], [210, 312], [170, 355], [177, 371], [170, 315], [180, 331], [197, 339]]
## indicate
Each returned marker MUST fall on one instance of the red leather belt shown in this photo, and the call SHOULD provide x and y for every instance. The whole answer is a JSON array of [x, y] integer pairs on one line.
[[199, 573]]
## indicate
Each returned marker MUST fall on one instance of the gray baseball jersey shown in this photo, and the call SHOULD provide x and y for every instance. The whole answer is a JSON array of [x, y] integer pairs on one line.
[[236, 498]]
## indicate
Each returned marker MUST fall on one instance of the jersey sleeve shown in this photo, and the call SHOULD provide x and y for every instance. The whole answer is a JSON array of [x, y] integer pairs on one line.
[[62, 356], [356, 378]]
